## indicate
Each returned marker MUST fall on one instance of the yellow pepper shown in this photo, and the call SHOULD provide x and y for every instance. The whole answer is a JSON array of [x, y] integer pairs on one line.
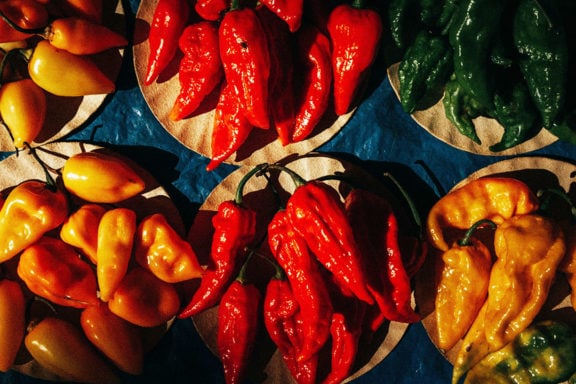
[[80, 230], [101, 178], [492, 198], [115, 243], [31, 209], [164, 252], [12, 320], [529, 249]]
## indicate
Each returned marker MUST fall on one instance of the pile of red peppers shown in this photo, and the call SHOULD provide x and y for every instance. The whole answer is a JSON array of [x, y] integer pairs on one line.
[[274, 64], [340, 268]]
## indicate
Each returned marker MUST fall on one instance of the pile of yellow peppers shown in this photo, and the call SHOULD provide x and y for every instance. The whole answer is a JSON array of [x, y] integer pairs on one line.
[[500, 250], [107, 278], [49, 47]]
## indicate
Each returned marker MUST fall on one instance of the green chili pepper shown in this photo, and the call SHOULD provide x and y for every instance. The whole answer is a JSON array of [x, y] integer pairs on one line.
[[401, 17], [565, 127], [426, 67], [543, 353], [540, 39], [460, 108]]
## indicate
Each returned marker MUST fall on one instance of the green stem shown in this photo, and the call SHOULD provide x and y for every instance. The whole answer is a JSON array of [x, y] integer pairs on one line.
[[545, 196], [413, 210], [468, 235], [359, 4], [234, 5], [50, 181], [296, 178], [239, 196]]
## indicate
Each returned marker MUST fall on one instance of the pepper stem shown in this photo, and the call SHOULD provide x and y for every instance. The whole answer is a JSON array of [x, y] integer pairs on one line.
[[239, 196], [359, 4], [243, 273], [296, 178], [468, 235], [545, 201], [234, 5], [413, 210], [50, 182]]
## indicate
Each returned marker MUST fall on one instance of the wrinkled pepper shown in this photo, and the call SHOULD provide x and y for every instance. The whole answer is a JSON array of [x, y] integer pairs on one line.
[[13, 320], [98, 177], [315, 60], [355, 33], [238, 322], [65, 74], [115, 242], [61, 348], [528, 249], [168, 21], [200, 70], [401, 17], [540, 39], [234, 231], [80, 229], [52, 269], [30, 210], [462, 287], [460, 108], [493, 198], [289, 11], [211, 10], [159, 248], [545, 352], [246, 61], [24, 13], [291, 252]]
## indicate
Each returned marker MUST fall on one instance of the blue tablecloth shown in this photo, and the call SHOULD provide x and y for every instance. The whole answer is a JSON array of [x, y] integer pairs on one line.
[[380, 136]]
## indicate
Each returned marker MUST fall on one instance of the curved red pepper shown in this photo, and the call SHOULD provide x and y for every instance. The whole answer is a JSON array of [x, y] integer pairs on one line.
[[200, 69], [355, 33], [290, 11], [211, 9], [246, 60], [315, 59], [168, 22], [26, 14]]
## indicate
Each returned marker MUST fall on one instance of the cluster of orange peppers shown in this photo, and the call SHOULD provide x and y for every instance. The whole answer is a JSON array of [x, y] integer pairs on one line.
[[274, 64], [48, 47], [501, 248], [112, 276]]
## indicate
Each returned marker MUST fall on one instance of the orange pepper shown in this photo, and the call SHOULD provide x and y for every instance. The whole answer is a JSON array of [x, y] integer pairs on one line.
[[90, 9], [25, 13], [12, 318], [80, 230], [31, 209], [52, 269], [115, 242], [101, 178], [164, 252]]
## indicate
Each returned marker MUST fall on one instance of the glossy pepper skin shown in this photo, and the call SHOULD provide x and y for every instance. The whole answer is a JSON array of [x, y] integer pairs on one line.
[[30, 210], [493, 198], [22, 110], [314, 99], [545, 352], [168, 22], [64, 74], [234, 231], [80, 229], [460, 108], [316, 213], [291, 252], [540, 39], [355, 34], [24, 13], [289, 11], [211, 9], [13, 320], [62, 349], [246, 61], [529, 249], [200, 70], [159, 248], [53, 270]]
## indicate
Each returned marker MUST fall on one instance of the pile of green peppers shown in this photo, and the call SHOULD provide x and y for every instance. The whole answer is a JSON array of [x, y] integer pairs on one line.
[[510, 60]]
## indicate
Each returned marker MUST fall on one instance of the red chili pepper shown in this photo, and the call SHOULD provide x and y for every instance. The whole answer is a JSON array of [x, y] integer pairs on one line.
[[231, 127], [200, 69], [315, 58], [344, 348], [211, 9], [302, 269], [355, 33], [234, 231], [316, 213], [168, 22], [238, 321], [246, 60], [290, 11], [27, 14]]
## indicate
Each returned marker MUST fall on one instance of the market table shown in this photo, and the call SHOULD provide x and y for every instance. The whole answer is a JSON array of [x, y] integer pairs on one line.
[[380, 137]]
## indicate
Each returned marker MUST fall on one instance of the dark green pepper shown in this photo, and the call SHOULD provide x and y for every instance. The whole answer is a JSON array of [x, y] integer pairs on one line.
[[565, 127], [543, 353], [540, 39], [401, 18], [472, 32], [426, 67], [460, 108]]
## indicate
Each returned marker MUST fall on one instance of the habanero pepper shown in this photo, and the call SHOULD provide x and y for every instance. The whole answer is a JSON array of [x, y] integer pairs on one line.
[[211, 10], [344, 349], [168, 22], [315, 60], [80, 229], [13, 320], [355, 33], [290, 11], [493, 198], [291, 252], [200, 70], [234, 231], [245, 56], [52, 269]]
